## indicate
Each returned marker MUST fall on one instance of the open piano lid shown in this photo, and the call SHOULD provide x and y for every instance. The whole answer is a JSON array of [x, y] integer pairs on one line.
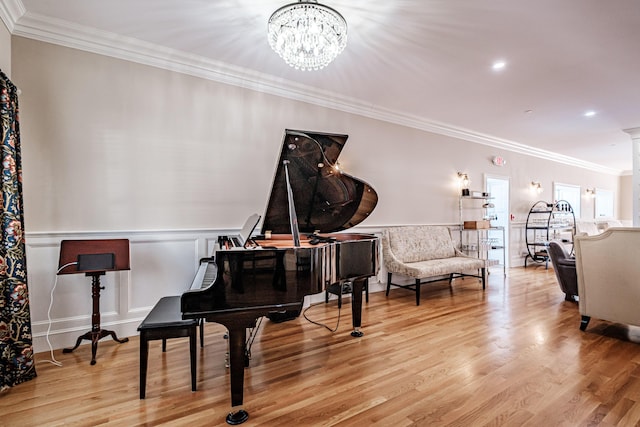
[[326, 200]]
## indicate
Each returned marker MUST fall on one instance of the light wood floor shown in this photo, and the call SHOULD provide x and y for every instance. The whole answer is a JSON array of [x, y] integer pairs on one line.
[[512, 355]]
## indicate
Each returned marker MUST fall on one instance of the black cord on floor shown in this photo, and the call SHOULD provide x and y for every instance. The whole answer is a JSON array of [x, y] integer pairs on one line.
[[304, 313]]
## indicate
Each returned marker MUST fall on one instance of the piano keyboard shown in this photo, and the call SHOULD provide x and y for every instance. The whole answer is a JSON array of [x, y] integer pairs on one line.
[[206, 274]]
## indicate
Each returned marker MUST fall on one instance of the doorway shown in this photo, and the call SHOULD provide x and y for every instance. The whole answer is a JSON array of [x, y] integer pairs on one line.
[[498, 188]]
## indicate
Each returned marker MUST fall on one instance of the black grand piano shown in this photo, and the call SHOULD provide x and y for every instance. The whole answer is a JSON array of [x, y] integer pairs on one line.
[[299, 251]]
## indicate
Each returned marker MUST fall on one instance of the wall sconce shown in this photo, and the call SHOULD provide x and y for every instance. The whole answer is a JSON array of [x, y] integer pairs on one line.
[[464, 183], [590, 192], [537, 187]]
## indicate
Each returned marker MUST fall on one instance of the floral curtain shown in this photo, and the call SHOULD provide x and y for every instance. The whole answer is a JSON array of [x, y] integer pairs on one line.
[[16, 349]]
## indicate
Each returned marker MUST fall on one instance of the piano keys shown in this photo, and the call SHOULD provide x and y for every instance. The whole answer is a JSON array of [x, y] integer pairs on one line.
[[311, 196]]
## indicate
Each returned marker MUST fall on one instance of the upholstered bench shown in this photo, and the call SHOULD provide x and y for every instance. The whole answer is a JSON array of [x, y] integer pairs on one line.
[[422, 252], [165, 321]]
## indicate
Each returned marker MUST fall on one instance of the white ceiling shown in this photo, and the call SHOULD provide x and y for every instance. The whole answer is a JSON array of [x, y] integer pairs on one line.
[[422, 63]]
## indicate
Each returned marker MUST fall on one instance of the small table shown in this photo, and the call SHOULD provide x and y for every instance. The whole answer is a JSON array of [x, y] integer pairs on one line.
[[94, 258]]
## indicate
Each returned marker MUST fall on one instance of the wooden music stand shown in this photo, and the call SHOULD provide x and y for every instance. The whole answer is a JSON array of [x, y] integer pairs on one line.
[[94, 258]]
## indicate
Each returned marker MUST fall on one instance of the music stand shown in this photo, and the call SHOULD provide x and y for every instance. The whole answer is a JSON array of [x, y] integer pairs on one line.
[[94, 258]]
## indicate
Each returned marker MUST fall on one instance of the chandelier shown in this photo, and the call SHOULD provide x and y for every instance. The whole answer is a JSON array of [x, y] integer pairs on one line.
[[307, 35]]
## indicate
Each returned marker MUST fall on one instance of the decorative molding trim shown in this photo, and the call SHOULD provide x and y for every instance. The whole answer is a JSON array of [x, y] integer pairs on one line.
[[63, 33], [10, 12], [633, 132]]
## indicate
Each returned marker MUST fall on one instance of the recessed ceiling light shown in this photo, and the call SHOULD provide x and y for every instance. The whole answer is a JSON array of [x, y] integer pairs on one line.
[[498, 65], [589, 113]]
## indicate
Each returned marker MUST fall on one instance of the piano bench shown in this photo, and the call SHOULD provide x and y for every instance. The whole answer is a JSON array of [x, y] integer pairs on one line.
[[339, 290], [165, 321]]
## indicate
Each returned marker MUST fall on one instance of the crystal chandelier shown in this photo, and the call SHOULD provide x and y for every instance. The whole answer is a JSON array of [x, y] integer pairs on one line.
[[307, 34]]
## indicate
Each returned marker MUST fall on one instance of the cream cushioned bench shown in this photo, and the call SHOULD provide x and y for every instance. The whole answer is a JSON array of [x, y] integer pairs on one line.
[[425, 251]]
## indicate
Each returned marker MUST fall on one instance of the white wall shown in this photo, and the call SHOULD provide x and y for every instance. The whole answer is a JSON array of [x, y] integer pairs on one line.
[[168, 160]]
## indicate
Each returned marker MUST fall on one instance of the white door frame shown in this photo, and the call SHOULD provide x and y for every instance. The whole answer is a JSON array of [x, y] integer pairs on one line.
[[506, 221]]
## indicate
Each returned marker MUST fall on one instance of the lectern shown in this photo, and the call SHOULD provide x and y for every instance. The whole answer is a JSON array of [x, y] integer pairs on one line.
[[94, 258]]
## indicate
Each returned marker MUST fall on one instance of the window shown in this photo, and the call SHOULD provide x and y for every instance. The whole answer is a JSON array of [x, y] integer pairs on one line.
[[604, 203], [570, 193]]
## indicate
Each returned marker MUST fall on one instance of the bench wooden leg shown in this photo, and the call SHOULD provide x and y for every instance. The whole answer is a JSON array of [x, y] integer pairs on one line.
[[201, 326], [144, 356], [584, 321], [192, 352]]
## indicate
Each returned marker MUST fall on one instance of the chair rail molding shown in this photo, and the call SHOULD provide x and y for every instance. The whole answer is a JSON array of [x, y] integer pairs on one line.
[[162, 263]]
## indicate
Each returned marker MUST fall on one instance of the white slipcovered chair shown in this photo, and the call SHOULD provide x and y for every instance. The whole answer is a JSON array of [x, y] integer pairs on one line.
[[608, 270]]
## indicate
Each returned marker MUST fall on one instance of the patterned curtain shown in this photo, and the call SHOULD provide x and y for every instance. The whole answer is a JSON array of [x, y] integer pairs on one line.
[[16, 349]]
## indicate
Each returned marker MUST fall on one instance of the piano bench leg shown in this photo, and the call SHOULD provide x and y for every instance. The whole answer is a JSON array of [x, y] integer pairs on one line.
[[171, 326], [201, 326], [144, 357], [163, 333]]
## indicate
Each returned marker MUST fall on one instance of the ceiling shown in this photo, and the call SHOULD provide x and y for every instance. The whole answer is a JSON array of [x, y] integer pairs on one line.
[[421, 63]]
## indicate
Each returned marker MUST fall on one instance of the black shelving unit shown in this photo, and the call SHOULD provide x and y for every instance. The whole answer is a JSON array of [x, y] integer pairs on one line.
[[547, 222]]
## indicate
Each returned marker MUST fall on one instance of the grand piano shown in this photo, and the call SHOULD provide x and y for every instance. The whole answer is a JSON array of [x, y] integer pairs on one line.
[[302, 249]]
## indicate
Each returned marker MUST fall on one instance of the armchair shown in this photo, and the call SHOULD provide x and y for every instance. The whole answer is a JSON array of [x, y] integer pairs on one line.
[[608, 270], [565, 267]]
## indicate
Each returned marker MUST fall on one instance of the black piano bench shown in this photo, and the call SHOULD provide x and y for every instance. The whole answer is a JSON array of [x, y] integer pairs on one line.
[[165, 321]]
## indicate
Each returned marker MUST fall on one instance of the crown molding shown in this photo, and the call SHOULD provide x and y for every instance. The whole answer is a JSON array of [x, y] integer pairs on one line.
[[633, 132], [10, 13], [64, 33]]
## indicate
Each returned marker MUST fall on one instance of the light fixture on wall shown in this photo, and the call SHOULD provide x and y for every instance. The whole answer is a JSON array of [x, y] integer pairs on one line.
[[537, 187], [464, 183], [307, 35], [590, 192]]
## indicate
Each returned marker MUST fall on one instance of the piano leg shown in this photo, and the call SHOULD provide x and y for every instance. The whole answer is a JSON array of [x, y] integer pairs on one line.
[[356, 305], [237, 343]]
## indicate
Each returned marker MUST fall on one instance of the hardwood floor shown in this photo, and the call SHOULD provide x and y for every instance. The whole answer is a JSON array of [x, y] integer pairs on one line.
[[512, 355]]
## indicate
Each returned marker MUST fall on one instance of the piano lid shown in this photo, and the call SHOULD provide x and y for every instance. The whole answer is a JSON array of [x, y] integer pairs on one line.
[[326, 200]]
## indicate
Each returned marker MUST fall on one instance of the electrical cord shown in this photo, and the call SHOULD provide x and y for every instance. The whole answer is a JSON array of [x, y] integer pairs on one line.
[[53, 360], [304, 313]]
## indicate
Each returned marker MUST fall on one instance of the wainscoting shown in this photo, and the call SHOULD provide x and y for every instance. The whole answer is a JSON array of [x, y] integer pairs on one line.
[[162, 263]]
